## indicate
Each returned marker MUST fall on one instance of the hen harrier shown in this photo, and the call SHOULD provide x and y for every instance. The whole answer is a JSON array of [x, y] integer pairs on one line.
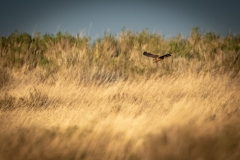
[[156, 58]]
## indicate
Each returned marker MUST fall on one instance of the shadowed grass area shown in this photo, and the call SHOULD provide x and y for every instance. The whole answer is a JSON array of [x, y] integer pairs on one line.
[[64, 98]]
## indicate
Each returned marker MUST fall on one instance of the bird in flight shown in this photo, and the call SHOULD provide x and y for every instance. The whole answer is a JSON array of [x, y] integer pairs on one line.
[[156, 58]]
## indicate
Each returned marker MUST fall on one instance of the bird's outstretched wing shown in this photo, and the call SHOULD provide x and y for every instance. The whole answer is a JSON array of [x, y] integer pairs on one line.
[[150, 55], [166, 55]]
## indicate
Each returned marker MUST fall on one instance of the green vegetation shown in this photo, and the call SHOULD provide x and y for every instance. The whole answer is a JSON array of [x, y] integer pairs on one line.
[[121, 54], [69, 97]]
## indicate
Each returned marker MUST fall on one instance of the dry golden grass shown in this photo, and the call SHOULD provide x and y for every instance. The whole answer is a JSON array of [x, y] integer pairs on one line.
[[188, 116], [62, 98]]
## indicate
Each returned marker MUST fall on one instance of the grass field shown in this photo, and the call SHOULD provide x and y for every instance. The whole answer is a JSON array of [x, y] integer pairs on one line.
[[65, 98]]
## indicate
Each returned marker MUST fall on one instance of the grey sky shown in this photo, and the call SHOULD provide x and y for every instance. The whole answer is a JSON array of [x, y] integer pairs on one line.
[[168, 17]]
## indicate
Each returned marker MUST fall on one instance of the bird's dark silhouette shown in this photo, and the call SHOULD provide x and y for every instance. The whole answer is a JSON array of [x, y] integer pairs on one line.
[[156, 58]]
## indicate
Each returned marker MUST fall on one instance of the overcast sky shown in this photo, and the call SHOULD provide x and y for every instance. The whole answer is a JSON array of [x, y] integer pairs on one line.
[[93, 17]]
